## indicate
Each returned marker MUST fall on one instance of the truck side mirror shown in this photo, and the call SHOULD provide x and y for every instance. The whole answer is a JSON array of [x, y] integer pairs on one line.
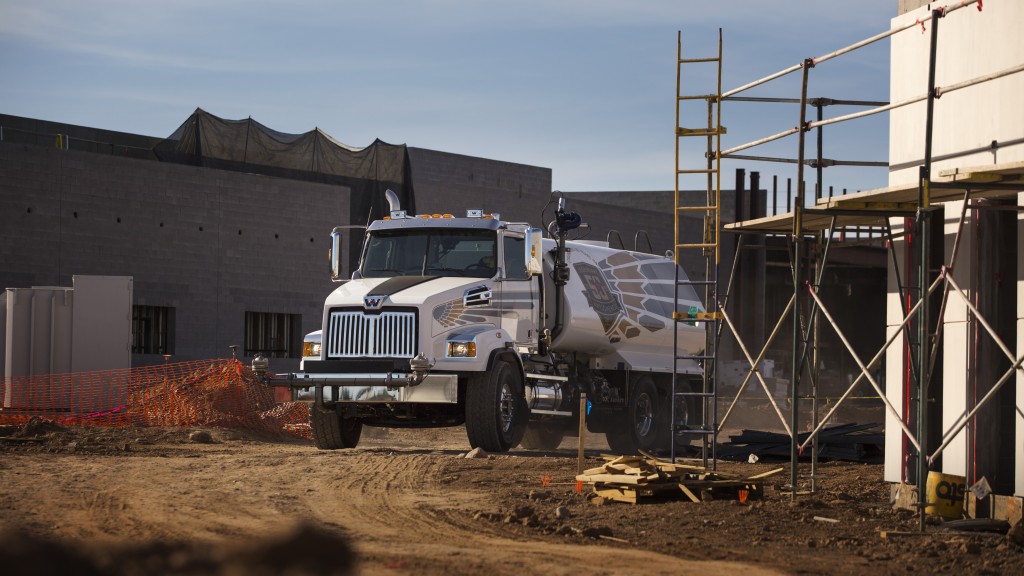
[[335, 254], [534, 251]]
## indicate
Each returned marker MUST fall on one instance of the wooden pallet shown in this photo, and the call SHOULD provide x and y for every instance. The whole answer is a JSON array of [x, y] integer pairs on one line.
[[636, 478]]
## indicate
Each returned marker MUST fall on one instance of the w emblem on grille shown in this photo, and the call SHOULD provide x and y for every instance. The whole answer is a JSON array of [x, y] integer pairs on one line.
[[372, 302]]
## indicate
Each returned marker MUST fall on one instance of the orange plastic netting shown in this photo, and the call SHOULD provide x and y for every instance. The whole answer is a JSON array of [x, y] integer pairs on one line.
[[221, 392]]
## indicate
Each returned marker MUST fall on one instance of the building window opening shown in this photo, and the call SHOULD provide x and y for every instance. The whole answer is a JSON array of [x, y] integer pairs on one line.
[[152, 330], [273, 335]]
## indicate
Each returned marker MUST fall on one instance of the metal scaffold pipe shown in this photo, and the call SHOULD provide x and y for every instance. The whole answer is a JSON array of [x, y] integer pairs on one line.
[[920, 22], [825, 162], [939, 91], [754, 370], [966, 418], [813, 101], [870, 366], [850, 48], [798, 207], [764, 140], [864, 369], [764, 80]]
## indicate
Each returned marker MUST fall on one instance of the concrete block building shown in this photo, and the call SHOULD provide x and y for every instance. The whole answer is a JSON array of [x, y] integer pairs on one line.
[[232, 250]]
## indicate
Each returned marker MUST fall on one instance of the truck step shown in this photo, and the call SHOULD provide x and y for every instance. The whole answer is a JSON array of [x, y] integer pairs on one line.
[[550, 413], [694, 431], [705, 394], [552, 377]]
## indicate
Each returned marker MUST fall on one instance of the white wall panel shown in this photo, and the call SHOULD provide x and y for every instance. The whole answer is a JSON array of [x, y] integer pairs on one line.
[[1019, 418], [954, 394], [102, 331], [894, 457], [970, 44], [893, 301]]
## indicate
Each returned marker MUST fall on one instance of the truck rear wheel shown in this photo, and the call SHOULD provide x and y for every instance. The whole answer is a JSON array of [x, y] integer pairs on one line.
[[644, 424], [496, 410], [331, 431], [542, 437]]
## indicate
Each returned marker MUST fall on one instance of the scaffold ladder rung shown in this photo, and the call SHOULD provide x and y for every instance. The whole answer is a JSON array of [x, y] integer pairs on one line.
[[697, 315], [709, 131], [695, 208], [698, 97]]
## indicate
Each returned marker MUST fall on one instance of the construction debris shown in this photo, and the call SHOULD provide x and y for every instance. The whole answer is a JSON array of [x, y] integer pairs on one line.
[[635, 478], [850, 442]]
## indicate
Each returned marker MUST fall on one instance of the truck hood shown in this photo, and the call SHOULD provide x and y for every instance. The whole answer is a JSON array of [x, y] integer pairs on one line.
[[423, 292]]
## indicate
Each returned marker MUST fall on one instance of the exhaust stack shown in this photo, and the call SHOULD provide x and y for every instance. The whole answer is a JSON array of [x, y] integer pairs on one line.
[[393, 204]]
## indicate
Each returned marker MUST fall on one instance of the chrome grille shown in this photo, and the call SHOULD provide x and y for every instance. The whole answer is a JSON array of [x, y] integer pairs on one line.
[[355, 334]]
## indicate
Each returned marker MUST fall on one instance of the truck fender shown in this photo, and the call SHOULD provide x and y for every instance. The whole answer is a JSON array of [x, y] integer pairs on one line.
[[512, 358], [509, 356]]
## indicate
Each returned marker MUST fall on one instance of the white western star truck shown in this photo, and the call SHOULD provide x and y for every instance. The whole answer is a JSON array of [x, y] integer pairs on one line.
[[482, 322]]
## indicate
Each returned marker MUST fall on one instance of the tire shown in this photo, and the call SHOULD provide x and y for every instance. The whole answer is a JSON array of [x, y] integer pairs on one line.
[[496, 410], [644, 424], [542, 437], [331, 431]]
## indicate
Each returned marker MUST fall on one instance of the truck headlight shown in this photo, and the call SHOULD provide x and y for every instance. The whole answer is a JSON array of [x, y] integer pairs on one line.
[[311, 349], [462, 349]]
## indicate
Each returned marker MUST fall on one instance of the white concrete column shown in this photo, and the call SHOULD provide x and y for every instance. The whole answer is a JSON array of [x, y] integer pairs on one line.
[[1019, 416], [956, 340], [895, 458]]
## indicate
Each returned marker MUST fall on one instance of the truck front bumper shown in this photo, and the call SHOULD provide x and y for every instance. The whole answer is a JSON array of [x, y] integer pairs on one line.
[[377, 388]]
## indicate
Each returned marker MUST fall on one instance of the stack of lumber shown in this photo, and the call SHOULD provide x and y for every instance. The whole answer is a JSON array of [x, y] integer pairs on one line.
[[851, 442], [634, 478]]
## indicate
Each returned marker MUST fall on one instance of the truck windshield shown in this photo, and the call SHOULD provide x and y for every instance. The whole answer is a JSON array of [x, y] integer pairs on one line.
[[428, 252]]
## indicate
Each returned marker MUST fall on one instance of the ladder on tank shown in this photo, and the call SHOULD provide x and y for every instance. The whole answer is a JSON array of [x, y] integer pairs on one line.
[[703, 424]]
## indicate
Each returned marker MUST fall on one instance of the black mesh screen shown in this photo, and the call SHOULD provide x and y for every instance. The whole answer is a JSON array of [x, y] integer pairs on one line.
[[248, 146]]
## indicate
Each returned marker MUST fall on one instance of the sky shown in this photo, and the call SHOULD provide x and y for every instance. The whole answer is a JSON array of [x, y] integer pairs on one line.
[[584, 87]]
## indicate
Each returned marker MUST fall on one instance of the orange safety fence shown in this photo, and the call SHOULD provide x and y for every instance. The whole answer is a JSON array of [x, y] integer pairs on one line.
[[221, 392]]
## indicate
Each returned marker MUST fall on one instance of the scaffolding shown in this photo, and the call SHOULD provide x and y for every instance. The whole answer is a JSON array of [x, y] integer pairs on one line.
[[819, 224]]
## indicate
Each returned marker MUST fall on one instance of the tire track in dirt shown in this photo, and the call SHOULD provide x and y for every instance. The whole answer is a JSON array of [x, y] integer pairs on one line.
[[395, 507], [400, 508]]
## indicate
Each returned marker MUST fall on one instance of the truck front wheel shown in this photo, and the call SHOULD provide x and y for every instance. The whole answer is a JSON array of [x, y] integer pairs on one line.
[[331, 431], [644, 423], [496, 410]]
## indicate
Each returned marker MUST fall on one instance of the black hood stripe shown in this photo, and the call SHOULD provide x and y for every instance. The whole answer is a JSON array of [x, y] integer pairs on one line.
[[395, 285]]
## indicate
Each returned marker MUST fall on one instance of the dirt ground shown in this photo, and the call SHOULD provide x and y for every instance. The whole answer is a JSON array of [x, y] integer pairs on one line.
[[153, 501]]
